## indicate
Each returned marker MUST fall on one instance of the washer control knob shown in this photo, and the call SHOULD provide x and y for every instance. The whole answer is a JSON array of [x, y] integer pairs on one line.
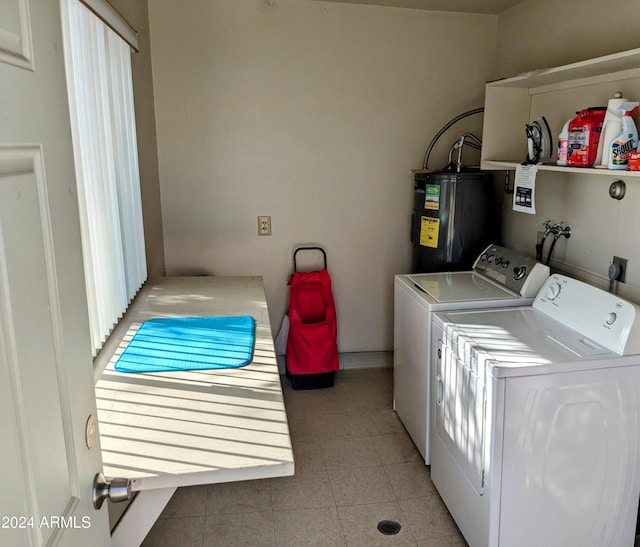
[[611, 318], [553, 290], [490, 258], [505, 263], [519, 272]]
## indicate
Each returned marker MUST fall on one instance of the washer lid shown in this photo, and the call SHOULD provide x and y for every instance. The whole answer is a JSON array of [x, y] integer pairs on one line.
[[459, 287], [517, 341]]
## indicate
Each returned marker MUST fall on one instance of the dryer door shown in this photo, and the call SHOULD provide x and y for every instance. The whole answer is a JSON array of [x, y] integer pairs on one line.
[[460, 409]]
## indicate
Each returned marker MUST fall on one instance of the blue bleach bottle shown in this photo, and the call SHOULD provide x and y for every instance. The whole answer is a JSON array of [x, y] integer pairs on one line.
[[626, 141]]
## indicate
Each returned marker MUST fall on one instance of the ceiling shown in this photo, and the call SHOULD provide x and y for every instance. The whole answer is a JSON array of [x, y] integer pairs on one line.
[[467, 6]]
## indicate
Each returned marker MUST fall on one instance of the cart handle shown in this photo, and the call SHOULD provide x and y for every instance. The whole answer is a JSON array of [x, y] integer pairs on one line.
[[309, 249]]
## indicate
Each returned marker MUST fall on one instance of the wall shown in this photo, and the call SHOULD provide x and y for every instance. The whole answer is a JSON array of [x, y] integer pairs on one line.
[[546, 33], [136, 13], [601, 226], [313, 113]]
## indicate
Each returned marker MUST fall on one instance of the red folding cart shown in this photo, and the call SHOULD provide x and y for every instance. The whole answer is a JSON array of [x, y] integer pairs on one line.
[[312, 349]]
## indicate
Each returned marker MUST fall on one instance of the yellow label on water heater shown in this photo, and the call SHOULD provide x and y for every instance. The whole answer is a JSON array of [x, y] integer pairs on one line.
[[429, 230]]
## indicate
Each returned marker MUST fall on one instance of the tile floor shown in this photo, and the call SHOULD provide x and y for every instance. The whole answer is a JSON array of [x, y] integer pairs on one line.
[[355, 466]]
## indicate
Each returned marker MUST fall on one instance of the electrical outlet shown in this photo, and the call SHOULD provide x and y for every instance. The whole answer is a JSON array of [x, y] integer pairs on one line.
[[621, 268], [264, 226]]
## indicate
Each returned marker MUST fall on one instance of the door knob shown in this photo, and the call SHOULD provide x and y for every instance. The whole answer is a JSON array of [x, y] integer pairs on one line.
[[116, 490]]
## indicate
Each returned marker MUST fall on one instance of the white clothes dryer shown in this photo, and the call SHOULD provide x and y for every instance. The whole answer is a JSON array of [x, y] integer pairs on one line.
[[500, 277], [536, 419]]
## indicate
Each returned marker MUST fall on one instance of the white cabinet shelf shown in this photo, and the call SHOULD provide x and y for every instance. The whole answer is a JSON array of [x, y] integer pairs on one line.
[[490, 165], [557, 94]]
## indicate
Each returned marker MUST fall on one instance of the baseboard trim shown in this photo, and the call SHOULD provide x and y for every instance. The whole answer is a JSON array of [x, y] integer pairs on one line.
[[354, 360], [365, 359]]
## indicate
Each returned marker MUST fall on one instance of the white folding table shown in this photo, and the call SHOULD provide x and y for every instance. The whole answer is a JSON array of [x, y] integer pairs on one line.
[[169, 429]]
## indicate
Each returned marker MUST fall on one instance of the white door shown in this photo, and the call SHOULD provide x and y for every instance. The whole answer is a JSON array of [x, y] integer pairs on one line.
[[46, 376]]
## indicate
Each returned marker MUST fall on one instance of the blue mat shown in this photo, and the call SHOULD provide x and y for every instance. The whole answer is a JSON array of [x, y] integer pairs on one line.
[[189, 343]]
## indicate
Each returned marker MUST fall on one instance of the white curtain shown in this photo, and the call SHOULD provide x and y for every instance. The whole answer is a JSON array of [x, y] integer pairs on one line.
[[98, 64]]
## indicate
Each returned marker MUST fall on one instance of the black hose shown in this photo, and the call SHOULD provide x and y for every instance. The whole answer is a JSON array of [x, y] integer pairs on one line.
[[553, 244], [447, 126], [540, 248]]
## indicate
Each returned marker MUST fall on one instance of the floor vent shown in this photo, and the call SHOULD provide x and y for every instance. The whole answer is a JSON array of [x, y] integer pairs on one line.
[[388, 527]]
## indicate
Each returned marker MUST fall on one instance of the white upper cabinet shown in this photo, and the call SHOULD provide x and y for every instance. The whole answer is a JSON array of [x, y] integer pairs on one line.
[[557, 94]]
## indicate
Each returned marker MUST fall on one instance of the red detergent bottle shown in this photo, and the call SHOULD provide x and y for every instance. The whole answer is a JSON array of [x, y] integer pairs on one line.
[[584, 136]]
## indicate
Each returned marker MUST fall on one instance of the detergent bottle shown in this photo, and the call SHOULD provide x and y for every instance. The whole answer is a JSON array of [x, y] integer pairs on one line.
[[563, 144], [611, 128], [584, 136], [626, 141]]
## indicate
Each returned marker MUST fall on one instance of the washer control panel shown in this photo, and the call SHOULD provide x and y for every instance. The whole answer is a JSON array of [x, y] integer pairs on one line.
[[598, 315], [519, 273]]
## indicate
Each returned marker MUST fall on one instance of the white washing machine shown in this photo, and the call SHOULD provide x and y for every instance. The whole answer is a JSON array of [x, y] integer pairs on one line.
[[536, 419], [500, 277]]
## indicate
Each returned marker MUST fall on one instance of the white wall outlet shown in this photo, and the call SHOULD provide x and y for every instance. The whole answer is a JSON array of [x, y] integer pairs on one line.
[[264, 226]]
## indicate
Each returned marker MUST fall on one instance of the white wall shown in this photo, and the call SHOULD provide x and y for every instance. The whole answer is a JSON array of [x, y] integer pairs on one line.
[[544, 33], [313, 113]]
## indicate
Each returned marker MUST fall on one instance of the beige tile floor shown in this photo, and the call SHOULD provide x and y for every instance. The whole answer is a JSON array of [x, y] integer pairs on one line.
[[355, 466]]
